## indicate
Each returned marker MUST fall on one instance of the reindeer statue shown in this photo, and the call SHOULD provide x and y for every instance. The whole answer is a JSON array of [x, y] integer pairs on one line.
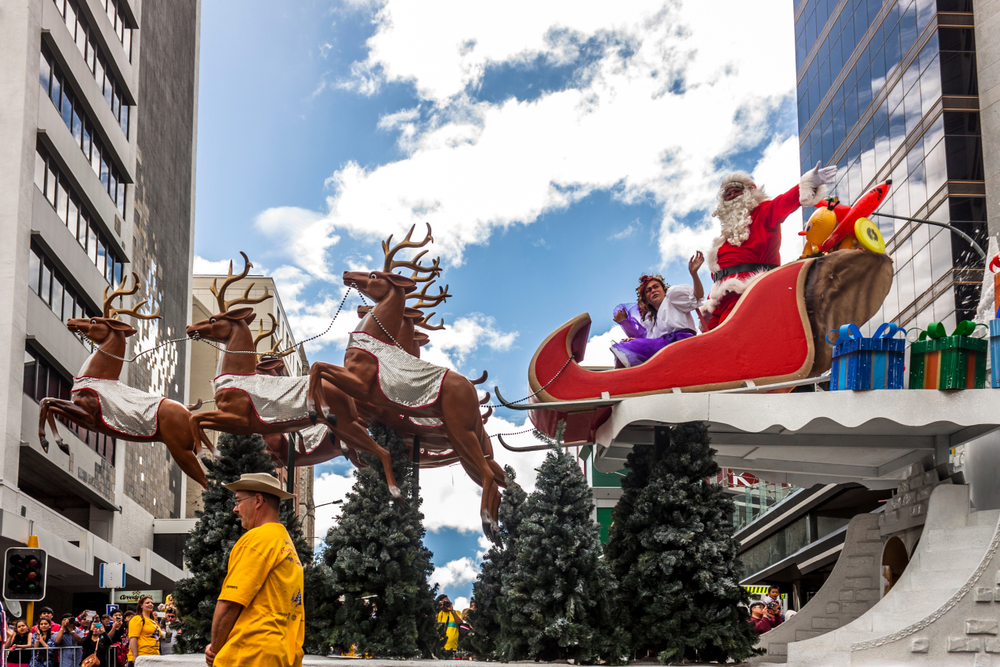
[[106, 405], [248, 402], [379, 372], [315, 444]]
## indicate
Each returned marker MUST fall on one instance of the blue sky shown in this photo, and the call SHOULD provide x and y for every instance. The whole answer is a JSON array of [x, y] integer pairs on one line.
[[559, 150]]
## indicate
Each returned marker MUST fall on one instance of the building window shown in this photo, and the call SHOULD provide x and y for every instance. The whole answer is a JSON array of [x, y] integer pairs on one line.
[[74, 116], [42, 380], [74, 21], [53, 288], [60, 193]]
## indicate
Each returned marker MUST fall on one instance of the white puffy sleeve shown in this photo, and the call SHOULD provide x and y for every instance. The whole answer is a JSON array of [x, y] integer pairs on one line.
[[682, 298]]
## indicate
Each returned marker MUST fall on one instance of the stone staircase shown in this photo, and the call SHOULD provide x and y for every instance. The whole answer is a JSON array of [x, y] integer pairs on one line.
[[955, 551], [850, 590]]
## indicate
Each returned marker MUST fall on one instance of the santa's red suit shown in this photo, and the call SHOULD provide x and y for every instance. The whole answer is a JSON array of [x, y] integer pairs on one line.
[[751, 236]]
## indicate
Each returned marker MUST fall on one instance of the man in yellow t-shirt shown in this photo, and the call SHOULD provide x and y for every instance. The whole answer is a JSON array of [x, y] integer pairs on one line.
[[259, 619], [451, 620]]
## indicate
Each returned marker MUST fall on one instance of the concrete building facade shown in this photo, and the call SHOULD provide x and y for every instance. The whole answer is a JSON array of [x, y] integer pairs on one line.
[[97, 118]]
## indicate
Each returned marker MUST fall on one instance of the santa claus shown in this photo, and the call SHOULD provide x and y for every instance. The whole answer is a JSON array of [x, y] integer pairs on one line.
[[751, 234]]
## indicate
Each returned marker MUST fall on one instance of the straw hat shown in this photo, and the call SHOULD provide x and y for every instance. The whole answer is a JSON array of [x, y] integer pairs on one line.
[[259, 482]]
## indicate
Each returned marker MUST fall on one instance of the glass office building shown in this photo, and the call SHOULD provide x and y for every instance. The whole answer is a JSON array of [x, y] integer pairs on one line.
[[888, 89]]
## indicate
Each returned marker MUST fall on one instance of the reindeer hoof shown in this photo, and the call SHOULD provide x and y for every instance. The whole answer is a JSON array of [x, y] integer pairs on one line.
[[45, 445], [63, 446], [331, 419], [313, 417]]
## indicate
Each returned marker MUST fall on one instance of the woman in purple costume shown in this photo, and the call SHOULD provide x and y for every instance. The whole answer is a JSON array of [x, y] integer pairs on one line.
[[661, 316]]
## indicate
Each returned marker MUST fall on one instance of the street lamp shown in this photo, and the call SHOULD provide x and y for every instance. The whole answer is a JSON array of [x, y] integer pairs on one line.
[[975, 246]]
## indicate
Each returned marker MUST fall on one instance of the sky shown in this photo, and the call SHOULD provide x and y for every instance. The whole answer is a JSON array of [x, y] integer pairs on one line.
[[559, 150]]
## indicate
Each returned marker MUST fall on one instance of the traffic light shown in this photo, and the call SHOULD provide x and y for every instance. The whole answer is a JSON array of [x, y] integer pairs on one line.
[[24, 574]]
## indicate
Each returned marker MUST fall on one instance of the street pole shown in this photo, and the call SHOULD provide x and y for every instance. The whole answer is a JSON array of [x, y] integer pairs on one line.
[[32, 544], [969, 239]]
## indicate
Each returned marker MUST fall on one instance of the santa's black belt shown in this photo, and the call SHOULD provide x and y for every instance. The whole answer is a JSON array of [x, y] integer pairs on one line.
[[741, 268]]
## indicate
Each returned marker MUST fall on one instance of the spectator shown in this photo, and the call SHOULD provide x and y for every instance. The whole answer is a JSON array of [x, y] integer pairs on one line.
[[758, 620], [83, 623], [44, 612], [773, 595], [41, 655], [17, 645], [118, 636], [451, 619], [143, 632], [171, 630], [65, 637], [97, 643], [773, 614]]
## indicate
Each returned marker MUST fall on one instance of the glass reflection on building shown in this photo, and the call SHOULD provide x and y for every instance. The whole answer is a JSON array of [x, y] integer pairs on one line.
[[888, 89]]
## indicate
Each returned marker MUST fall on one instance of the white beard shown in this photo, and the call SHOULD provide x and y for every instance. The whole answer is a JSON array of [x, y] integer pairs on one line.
[[735, 215]]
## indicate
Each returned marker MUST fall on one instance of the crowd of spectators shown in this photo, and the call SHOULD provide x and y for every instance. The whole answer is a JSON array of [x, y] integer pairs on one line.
[[89, 639]]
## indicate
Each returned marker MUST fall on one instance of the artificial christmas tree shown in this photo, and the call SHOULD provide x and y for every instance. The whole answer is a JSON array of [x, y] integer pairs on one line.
[[672, 552], [485, 620], [206, 553], [555, 599], [378, 563]]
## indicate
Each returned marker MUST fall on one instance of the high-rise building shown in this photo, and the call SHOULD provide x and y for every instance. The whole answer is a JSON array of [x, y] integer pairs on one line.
[[890, 89], [907, 90], [98, 102]]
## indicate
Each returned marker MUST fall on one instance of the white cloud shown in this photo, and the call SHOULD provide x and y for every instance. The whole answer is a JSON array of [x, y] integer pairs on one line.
[[327, 488], [628, 232], [654, 117], [450, 346], [599, 347], [459, 571], [208, 267]]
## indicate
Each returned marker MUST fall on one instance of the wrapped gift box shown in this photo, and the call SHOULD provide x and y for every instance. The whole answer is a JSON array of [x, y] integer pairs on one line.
[[957, 361], [867, 363]]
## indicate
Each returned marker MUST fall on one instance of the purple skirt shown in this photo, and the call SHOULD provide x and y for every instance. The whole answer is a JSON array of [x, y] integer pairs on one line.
[[633, 352]]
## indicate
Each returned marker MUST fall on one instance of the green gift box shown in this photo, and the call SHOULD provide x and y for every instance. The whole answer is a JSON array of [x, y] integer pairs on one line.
[[957, 361]]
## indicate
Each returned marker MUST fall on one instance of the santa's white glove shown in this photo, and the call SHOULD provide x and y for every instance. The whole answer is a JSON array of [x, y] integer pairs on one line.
[[812, 186]]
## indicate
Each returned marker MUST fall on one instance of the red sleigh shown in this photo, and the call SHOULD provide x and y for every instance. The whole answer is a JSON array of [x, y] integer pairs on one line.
[[775, 334]]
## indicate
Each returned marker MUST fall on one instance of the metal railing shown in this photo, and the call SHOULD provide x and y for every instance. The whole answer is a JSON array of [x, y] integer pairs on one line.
[[48, 657]]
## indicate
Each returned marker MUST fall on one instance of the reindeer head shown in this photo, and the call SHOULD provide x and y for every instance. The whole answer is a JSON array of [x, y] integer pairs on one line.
[[379, 284], [221, 326], [99, 329]]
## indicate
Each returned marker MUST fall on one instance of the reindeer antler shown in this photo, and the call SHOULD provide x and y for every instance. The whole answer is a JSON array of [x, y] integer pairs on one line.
[[431, 301], [390, 253], [220, 292], [119, 291], [424, 323], [261, 334], [111, 311]]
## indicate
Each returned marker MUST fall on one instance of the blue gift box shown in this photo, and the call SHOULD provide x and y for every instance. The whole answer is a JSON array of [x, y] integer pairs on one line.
[[995, 352], [867, 363]]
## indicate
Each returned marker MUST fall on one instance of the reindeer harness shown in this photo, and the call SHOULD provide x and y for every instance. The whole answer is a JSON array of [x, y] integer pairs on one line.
[[275, 399], [404, 379], [124, 409]]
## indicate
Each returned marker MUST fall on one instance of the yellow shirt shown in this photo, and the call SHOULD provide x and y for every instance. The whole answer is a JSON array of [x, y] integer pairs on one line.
[[147, 633], [265, 576], [451, 631]]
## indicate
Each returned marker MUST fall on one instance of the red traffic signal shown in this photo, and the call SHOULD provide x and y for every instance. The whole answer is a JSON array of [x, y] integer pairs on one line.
[[24, 574]]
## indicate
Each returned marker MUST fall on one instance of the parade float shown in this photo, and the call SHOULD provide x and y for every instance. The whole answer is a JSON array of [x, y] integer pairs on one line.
[[796, 393]]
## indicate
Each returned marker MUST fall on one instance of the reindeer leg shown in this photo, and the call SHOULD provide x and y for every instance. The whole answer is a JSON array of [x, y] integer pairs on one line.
[[75, 413]]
